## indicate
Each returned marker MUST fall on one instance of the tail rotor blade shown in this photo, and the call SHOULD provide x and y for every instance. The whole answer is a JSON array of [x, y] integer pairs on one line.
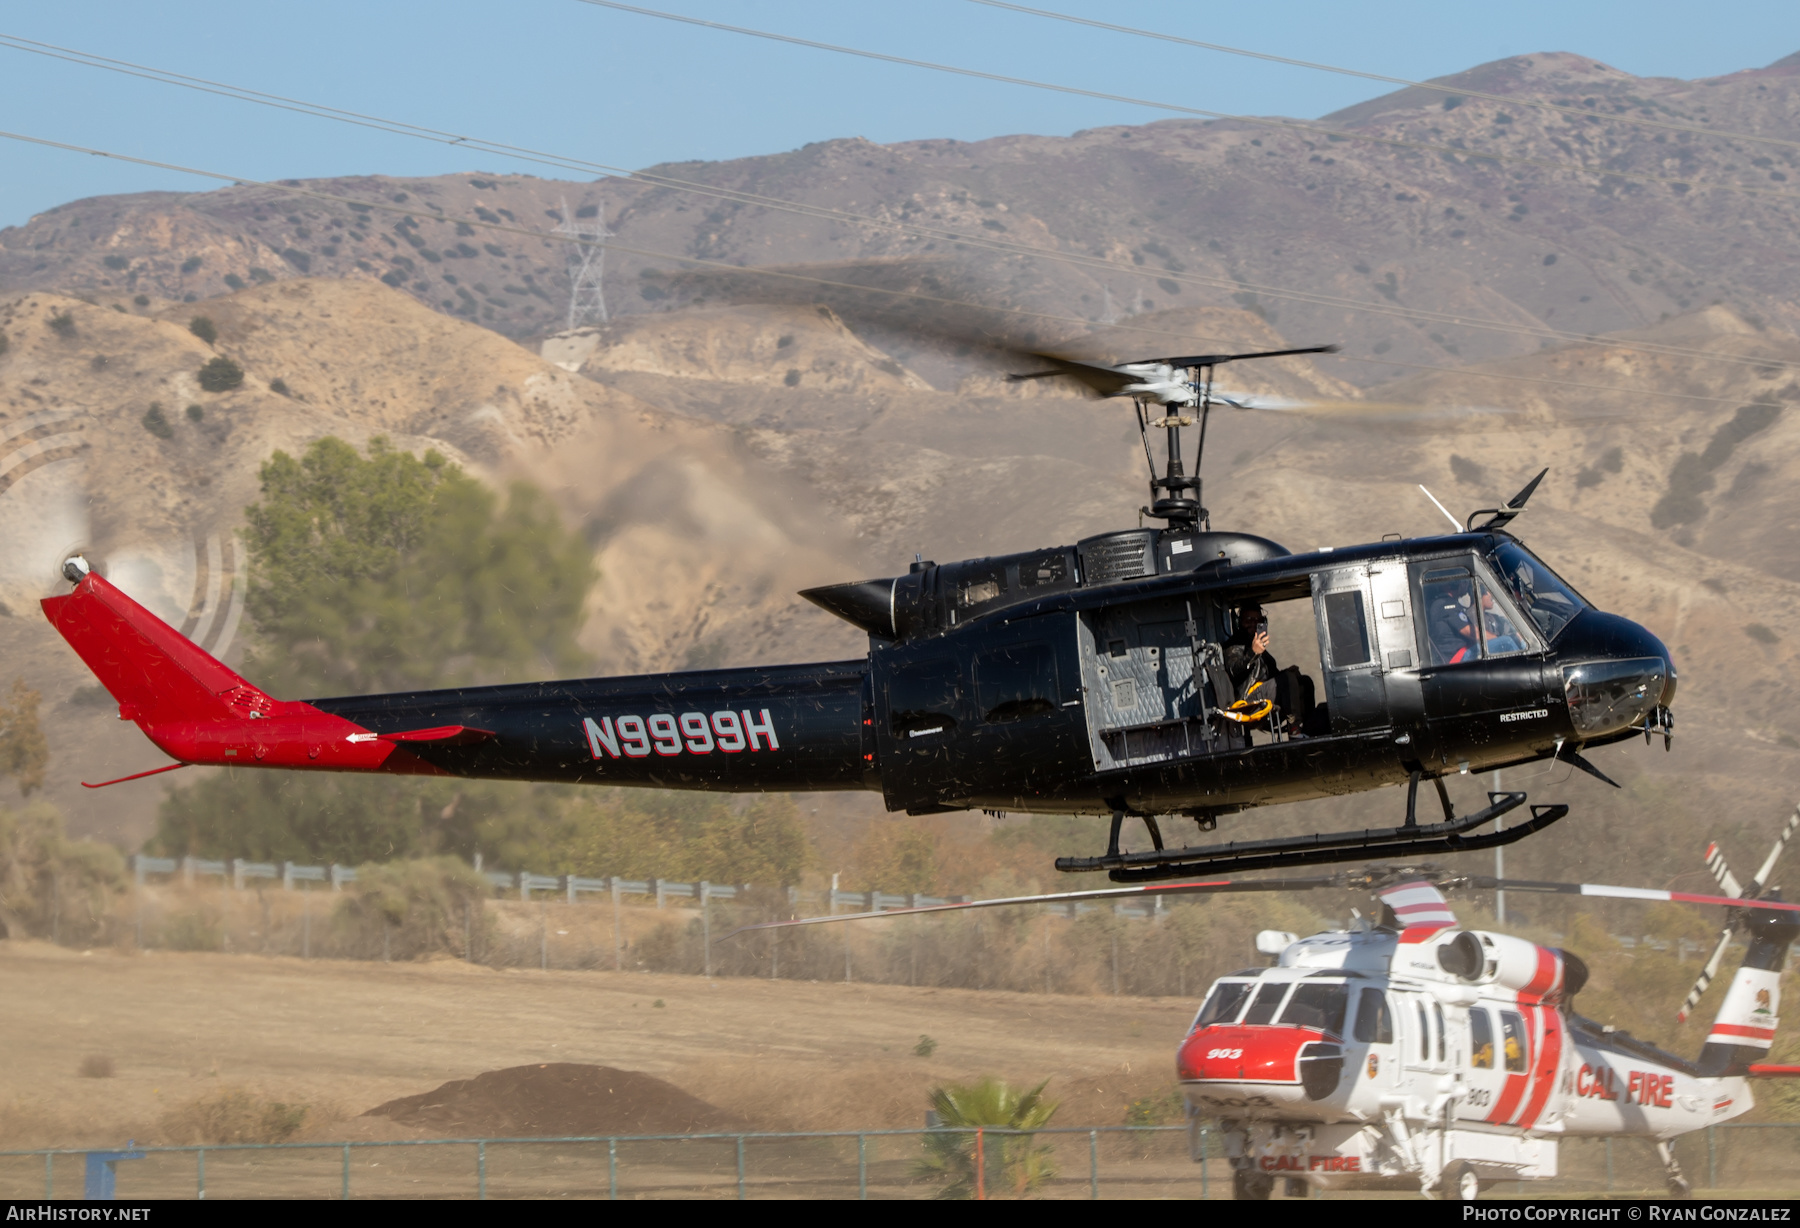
[[1706, 977], [1715, 861], [1768, 866]]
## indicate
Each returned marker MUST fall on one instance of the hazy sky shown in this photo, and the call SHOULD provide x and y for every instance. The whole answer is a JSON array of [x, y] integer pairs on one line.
[[632, 91]]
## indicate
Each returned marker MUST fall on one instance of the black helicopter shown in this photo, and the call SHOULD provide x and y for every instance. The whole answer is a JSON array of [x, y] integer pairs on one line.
[[1118, 675]]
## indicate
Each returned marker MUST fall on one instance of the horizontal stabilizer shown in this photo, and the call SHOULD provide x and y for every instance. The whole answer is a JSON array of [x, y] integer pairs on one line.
[[444, 735]]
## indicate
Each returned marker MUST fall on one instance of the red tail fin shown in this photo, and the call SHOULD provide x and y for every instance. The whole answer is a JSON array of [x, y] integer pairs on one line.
[[156, 673], [198, 711]]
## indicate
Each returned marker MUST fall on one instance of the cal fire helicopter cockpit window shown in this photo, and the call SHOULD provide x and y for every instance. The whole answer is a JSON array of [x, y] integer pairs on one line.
[[1551, 604], [1223, 1004], [1347, 629], [1320, 1005], [1428, 1037], [1263, 1006], [1481, 1039], [1015, 682], [1512, 1030], [922, 698], [1374, 1022]]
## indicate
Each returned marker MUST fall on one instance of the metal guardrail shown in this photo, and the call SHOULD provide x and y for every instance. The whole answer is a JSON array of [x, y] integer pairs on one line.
[[529, 886], [571, 887]]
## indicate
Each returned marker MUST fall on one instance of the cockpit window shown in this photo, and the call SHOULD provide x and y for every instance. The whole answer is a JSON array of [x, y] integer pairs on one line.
[[1223, 1003], [1550, 603], [1450, 622], [1374, 1023], [1465, 618], [1516, 1045], [1318, 1005], [1268, 997]]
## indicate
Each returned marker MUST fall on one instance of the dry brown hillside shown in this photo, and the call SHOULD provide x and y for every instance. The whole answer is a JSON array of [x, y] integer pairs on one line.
[[1587, 225]]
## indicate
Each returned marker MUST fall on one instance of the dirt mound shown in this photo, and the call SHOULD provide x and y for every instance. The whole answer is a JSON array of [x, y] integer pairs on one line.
[[558, 1099]]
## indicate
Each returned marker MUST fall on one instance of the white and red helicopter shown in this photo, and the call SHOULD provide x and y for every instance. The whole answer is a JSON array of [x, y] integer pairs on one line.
[[1405, 1052]]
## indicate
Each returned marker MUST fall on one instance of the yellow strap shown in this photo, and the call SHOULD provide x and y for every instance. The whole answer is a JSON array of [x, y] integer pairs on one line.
[[1247, 711]]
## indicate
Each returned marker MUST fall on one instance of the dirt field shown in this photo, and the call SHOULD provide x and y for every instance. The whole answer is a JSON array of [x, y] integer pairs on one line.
[[342, 1037], [345, 1036]]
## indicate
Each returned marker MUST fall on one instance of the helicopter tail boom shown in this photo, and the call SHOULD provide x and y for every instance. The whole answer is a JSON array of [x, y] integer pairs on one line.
[[789, 728]]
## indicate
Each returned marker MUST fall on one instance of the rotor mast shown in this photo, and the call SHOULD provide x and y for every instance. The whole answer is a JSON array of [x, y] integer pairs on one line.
[[1169, 499]]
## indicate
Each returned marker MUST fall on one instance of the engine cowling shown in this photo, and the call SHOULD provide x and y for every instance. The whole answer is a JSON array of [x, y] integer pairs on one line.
[[1530, 970]]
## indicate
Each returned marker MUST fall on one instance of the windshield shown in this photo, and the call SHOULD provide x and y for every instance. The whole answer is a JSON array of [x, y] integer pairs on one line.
[[1223, 1003], [1318, 1005], [1550, 603]]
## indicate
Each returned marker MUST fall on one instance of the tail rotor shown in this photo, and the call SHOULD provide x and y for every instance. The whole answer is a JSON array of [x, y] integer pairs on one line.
[[1729, 885]]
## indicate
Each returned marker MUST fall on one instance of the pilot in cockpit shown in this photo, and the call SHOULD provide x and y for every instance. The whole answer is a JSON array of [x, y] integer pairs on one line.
[[1450, 624], [1496, 628]]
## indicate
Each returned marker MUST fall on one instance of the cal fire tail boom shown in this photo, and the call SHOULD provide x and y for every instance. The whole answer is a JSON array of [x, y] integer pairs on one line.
[[797, 727]]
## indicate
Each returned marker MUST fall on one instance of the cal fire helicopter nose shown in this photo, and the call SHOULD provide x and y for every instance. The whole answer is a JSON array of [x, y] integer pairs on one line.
[[1615, 674]]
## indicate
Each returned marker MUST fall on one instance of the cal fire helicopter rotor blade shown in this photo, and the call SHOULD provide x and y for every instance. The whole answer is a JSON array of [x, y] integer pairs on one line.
[[1721, 872], [1768, 866], [1715, 861], [1369, 877], [1134, 891], [1706, 976], [1607, 891]]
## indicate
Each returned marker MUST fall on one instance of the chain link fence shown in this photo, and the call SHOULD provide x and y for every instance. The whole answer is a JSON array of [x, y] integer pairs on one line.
[[1737, 1161]]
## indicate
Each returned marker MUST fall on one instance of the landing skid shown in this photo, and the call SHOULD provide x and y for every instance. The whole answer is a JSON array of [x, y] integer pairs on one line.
[[1408, 840]]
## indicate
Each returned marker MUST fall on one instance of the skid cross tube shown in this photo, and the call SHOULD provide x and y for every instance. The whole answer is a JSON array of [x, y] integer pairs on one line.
[[1323, 848]]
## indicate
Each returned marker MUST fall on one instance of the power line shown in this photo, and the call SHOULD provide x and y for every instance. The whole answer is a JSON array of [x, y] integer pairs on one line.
[[1536, 103], [380, 206], [1330, 134], [1073, 259]]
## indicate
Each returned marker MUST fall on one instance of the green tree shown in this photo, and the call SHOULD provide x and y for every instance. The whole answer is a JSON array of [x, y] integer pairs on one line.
[[387, 571], [1015, 1163], [390, 572]]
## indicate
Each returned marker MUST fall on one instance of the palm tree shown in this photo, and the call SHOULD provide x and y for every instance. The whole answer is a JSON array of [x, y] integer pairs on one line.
[[1011, 1163]]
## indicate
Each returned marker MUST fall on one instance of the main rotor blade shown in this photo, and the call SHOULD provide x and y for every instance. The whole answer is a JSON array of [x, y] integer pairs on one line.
[[1768, 866], [1213, 360], [1101, 380], [1706, 976], [1605, 891], [1197, 887], [1372, 876]]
